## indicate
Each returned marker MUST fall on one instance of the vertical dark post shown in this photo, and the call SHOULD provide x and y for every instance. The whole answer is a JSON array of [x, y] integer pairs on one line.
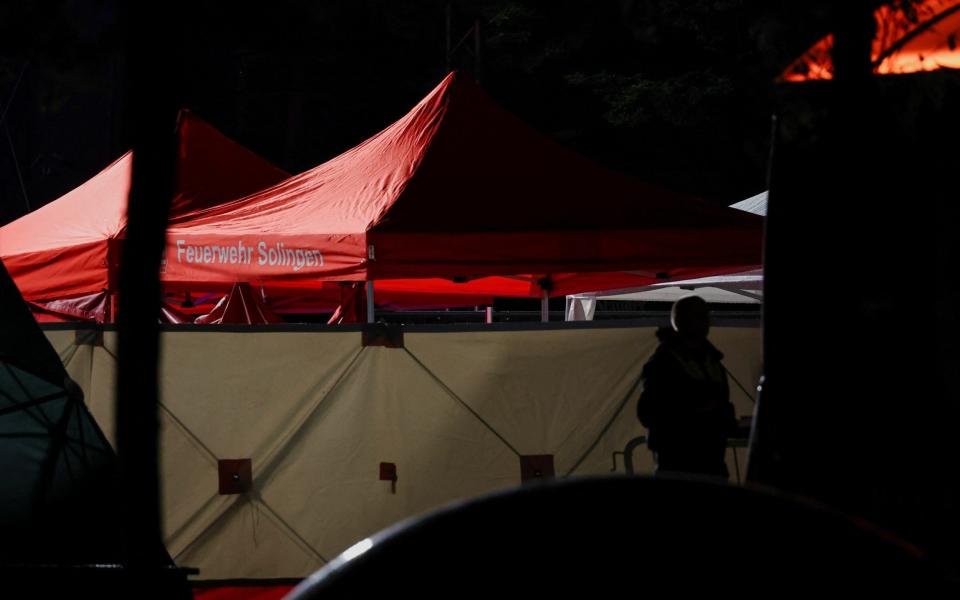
[[762, 445], [854, 30], [774, 134], [812, 358], [852, 412], [151, 120]]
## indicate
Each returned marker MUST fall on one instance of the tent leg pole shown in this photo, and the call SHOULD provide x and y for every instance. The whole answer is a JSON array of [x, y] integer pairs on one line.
[[545, 307], [489, 315], [370, 316]]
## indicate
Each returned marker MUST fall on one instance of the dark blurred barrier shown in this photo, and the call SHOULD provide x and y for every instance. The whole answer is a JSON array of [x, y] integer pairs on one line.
[[863, 192], [613, 537]]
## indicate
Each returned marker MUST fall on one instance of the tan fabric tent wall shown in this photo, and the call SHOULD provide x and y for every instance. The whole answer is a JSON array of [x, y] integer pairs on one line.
[[317, 413]]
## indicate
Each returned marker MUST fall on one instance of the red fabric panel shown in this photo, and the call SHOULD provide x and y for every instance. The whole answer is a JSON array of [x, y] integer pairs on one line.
[[173, 315], [242, 306], [245, 592], [505, 253], [484, 170], [197, 255], [521, 286], [59, 273], [312, 297], [353, 304], [92, 307], [526, 286], [92, 212], [60, 250], [213, 169]]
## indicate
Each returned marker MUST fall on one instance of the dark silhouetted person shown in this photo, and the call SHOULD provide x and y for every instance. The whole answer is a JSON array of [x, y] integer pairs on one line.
[[685, 404]]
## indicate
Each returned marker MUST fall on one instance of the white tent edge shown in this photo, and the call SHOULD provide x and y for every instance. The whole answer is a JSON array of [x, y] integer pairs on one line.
[[745, 287]]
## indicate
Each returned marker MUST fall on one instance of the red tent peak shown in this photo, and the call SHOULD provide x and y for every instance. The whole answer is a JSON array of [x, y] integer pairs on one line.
[[354, 189], [212, 168], [482, 162], [457, 162]]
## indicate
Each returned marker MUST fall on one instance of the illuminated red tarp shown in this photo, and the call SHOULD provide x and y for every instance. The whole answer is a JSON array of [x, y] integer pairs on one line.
[[460, 190], [173, 315], [911, 37], [90, 307], [241, 592], [67, 251]]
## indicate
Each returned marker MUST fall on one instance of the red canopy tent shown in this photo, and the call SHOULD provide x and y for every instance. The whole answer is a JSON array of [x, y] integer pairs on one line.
[[453, 204], [911, 37], [459, 196], [64, 255]]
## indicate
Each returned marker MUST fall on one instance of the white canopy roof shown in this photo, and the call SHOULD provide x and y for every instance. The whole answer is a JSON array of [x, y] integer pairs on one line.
[[754, 204]]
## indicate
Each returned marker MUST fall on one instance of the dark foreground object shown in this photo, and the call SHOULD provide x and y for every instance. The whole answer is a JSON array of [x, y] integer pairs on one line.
[[624, 535], [100, 582]]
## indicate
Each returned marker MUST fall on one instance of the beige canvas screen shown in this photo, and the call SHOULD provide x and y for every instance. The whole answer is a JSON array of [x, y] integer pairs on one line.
[[317, 413]]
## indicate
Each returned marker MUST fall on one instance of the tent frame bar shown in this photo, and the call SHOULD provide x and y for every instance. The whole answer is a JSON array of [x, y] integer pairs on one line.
[[630, 319], [371, 317]]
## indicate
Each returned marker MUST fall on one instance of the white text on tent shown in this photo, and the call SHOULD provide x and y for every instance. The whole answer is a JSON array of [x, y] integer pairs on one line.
[[276, 255]]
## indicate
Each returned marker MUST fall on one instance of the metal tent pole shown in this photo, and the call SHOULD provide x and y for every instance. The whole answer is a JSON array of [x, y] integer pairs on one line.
[[370, 309]]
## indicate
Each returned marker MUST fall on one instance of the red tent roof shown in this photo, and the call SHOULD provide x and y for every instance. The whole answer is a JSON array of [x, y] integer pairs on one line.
[[66, 248], [911, 37], [459, 189], [173, 315]]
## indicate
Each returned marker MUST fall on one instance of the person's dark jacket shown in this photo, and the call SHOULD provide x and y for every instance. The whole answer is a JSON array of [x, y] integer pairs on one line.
[[685, 406]]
